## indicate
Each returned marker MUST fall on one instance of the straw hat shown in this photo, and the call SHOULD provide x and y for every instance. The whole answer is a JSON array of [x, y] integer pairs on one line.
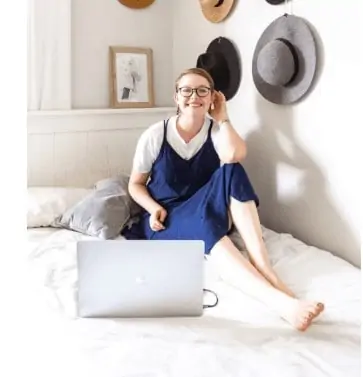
[[221, 61], [216, 10], [285, 60], [136, 4]]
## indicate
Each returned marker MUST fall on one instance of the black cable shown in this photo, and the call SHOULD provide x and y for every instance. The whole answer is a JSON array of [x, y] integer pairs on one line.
[[215, 304]]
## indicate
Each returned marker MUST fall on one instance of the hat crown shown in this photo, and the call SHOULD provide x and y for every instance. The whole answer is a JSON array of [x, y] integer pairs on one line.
[[221, 61], [276, 63], [215, 64], [211, 60], [282, 76]]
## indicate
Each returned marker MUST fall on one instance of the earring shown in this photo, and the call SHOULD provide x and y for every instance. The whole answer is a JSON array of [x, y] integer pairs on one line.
[[177, 110]]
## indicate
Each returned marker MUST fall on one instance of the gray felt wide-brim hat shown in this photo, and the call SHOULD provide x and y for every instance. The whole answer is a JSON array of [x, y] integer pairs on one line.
[[285, 60]]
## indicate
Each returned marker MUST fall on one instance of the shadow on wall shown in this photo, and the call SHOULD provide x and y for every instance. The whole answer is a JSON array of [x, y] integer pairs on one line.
[[293, 192]]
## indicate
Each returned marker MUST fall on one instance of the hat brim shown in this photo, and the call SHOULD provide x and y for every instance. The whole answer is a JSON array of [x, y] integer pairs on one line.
[[230, 53], [275, 2], [217, 14], [297, 32], [136, 4]]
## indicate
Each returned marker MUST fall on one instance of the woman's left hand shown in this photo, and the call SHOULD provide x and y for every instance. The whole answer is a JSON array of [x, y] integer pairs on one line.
[[219, 108]]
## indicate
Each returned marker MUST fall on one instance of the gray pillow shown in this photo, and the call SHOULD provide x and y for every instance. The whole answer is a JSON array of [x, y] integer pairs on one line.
[[120, 183], [103, 213]]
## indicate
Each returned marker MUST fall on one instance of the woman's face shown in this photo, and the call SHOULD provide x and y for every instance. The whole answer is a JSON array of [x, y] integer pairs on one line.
[[193, 96]]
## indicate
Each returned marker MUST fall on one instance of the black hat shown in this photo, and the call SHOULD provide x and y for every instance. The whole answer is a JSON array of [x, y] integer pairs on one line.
[[221, 61], [275, 2]]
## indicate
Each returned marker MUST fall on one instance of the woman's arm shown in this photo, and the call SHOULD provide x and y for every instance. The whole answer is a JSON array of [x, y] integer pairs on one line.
[[139, 192], [146, 152], [231, 147]]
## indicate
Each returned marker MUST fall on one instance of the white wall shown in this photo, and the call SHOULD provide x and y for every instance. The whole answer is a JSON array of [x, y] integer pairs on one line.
[[303, 159], [79, 147], [191, 34], [96, 25]]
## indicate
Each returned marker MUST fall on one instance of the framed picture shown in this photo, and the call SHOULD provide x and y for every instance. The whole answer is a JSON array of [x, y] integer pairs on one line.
[[131, 77]]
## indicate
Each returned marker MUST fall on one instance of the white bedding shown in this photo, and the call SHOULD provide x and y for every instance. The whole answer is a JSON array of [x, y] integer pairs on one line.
[[239, 337]]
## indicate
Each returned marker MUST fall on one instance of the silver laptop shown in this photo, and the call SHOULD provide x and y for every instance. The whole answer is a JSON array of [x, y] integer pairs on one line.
[[127, 278]]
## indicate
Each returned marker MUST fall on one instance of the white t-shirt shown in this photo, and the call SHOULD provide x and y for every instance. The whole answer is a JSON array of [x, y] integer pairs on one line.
[[149, 143]]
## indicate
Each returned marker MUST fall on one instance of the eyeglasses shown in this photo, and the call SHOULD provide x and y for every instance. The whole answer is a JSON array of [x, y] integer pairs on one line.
[[201, 91]]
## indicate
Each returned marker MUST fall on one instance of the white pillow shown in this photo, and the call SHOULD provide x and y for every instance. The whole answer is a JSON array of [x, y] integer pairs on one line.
[[45, 204]]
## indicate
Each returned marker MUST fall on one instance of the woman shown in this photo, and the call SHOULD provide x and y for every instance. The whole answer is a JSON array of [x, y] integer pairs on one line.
[[198, 189]]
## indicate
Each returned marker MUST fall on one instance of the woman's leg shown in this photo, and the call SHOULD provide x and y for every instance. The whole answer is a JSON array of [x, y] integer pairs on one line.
[[246, 220], [244, 276]]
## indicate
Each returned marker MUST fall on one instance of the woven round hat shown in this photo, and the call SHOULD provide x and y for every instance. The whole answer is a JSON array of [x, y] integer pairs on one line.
[[136, 4], [222, 62], [216, 10], [285, 60]]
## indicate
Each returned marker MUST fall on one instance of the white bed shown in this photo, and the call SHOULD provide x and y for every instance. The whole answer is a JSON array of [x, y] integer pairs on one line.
[[239, 337]]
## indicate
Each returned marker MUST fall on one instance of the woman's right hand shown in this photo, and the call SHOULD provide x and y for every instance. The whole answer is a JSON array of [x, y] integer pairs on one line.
[[157, 218]]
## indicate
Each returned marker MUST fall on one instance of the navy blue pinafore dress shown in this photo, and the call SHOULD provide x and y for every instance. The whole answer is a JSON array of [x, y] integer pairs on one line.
[[195, 193]]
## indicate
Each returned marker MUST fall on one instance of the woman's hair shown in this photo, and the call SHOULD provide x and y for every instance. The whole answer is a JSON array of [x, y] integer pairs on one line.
[[196, 71]]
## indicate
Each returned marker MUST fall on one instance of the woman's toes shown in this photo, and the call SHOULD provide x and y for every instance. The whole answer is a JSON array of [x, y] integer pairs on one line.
[[316, 308], [302, 314], [320, 307], [304, 324]]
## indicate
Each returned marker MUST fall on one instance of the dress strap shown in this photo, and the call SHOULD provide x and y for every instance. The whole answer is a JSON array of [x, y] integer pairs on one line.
[[166, 121], [210, 128]]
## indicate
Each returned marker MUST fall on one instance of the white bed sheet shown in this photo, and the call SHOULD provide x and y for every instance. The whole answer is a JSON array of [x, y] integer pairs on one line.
[[239, 337]]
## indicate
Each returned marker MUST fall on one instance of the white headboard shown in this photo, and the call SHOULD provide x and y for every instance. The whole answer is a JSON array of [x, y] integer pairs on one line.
[[79, 147]]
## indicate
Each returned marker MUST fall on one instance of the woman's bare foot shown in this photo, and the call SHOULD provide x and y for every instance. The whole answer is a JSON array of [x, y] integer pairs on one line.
[[242, 274], [301, 313]]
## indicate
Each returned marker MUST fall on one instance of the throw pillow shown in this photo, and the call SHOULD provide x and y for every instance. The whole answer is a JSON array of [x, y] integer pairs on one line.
[[101, 214]]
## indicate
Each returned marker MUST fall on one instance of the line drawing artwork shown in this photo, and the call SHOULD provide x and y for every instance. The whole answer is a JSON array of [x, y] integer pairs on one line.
[[131, 73], [131, 83]]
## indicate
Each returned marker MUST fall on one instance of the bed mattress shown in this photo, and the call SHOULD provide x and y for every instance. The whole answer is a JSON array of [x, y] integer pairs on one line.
[[239, 337]]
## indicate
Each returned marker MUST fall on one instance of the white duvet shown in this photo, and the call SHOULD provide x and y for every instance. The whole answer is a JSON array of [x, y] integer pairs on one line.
[[239, 337]]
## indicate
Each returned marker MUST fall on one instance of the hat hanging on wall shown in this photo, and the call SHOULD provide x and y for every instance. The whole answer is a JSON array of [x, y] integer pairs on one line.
[[221, 61], [276, 2], [216, 10], [285, 60], [136, 4]]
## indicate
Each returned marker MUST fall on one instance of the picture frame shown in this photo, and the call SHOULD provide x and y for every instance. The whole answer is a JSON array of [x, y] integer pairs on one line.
[[131, 81]]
